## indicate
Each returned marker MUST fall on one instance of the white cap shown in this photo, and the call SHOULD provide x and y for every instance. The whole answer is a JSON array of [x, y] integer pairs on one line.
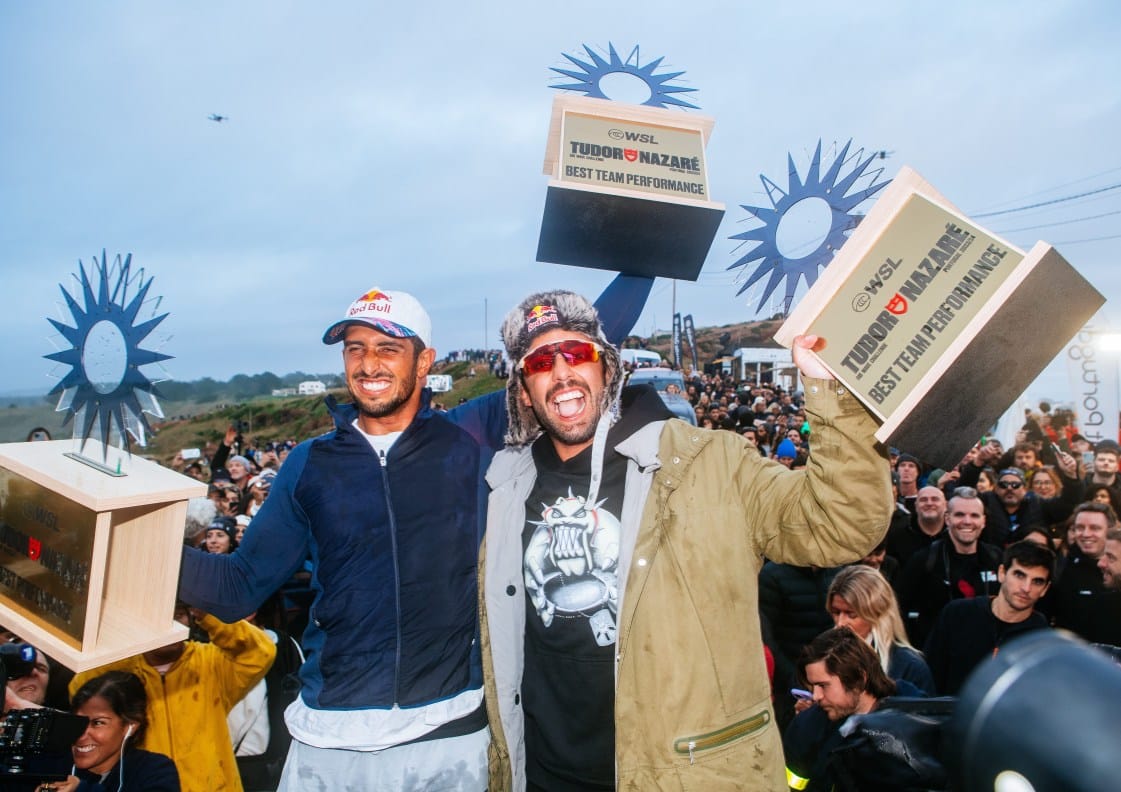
[[394, 313]]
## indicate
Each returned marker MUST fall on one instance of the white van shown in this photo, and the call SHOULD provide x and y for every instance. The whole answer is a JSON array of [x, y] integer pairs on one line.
[[640, 358]]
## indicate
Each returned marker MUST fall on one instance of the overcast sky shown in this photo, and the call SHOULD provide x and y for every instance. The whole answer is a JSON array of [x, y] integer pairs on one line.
[[400, 146]]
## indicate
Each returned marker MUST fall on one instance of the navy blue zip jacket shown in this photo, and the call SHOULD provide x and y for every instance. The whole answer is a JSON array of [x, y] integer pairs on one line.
[[393, 548]]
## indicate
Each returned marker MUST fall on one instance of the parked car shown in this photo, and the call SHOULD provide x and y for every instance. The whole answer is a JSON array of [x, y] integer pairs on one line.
[[670, 385]]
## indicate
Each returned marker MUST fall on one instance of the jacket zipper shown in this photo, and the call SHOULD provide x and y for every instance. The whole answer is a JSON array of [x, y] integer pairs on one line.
[[167, 714], [704, 742], [396, 576]]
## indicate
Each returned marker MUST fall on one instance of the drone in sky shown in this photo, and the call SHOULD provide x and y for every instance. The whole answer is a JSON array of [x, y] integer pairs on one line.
[[218, 118]]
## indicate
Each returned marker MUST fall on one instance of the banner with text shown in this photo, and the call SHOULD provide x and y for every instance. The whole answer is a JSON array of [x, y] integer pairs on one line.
[[677, 341], [1093, 386]]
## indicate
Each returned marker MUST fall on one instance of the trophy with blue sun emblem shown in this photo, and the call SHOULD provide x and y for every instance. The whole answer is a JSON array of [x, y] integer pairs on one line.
[[91, 535], [921, 305], [628, 188]]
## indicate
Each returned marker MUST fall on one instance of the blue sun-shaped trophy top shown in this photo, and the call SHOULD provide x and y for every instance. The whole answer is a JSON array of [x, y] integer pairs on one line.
[[837, 192], [589, 79], [105, 393]]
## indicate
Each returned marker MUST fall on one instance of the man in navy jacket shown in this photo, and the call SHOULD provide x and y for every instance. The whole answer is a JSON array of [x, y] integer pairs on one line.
[[390, 506]]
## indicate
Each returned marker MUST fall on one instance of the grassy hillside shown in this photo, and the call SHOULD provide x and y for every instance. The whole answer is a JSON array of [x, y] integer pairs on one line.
[[297, 418], [268, 419]]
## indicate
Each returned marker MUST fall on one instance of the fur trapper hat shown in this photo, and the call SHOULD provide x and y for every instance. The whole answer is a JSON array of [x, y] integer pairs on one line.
[[537, 314]]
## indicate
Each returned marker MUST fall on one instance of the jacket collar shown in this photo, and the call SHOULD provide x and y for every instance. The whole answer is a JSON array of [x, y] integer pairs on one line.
[[345, 414]]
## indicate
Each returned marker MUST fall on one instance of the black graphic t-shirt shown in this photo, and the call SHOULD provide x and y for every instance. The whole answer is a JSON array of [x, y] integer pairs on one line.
[[570, 557]]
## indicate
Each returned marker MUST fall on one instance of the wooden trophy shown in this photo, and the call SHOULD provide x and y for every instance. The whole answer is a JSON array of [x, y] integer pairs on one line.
[[89, 563], [924, 315], [90, 535], [628, 190]]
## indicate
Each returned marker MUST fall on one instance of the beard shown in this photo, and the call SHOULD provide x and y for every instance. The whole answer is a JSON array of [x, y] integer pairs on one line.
[[389, 402], [569, 433], [382, 406]]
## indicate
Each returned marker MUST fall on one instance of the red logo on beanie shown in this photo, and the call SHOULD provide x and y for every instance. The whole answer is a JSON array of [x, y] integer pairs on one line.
[[540, 315]]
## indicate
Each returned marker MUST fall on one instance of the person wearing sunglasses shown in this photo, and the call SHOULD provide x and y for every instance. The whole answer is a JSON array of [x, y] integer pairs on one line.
[[390, 506], [621, 632], [1012, 507]]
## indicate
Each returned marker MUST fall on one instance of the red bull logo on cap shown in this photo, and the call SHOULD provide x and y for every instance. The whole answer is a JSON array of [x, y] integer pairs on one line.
[[373, 300], [373, 296], [540, 315]]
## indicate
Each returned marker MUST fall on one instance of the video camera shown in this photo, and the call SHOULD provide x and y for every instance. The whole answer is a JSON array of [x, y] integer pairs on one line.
[[28, 735], [16, 660]]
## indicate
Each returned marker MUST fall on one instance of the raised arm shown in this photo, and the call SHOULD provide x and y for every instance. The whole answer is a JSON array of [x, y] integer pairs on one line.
[[838, 508], [239, 657], [233, 586]]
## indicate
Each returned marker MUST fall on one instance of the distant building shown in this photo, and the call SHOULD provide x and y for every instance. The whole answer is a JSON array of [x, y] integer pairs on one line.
[[282, 392], [311, 388], [765, 365], [440, 383]]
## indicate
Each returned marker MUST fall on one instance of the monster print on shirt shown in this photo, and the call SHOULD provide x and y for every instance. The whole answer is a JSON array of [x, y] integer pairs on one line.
[[570, 565]]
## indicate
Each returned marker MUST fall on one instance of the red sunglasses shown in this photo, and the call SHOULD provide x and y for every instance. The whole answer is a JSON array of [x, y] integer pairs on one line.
[[574, 352]]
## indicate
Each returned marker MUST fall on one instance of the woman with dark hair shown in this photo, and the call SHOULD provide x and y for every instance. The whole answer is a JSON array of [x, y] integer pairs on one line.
[[1100, 493], [105, 758]]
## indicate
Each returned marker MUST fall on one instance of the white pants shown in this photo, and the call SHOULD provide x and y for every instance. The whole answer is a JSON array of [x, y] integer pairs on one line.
[[456, 764]]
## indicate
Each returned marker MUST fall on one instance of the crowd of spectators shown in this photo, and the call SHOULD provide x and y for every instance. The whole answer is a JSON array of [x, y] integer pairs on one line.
[[1027, 535]]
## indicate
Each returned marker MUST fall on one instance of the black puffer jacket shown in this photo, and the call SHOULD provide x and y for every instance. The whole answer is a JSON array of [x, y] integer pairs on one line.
[[792, 601]]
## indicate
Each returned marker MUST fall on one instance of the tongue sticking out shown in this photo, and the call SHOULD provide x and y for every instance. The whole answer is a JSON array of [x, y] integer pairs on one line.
[[569, 405]]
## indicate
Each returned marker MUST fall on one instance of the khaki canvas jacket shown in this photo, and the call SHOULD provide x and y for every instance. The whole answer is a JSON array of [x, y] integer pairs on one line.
[[701, 509]]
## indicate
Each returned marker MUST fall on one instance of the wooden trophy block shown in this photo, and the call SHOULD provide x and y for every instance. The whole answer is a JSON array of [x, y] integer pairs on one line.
[[89, 563], [628, 190], [924, 314]]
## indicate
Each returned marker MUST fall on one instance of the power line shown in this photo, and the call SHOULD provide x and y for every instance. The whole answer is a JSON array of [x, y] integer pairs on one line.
[[1089, 239], [1047, 203], [1060, 186], [1059, 223]]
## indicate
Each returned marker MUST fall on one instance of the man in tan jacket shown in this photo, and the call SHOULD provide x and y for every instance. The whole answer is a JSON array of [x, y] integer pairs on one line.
[[621, 641]]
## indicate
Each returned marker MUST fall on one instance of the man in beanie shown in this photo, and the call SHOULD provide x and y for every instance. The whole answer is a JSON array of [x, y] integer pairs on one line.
[[390, 506], [621, 632], [909, 470]]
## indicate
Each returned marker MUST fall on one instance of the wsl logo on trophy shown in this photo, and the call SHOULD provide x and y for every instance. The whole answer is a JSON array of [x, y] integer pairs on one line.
[[628, 188], [105, 394]]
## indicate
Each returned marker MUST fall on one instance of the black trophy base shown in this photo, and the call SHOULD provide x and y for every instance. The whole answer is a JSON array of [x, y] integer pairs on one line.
[[635, 236], [949, 417]]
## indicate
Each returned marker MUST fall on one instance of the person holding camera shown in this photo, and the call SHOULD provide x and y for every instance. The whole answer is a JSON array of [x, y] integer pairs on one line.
[[191, 686], [105, 755]]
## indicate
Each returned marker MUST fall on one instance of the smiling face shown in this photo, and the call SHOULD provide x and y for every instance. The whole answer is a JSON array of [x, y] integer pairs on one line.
[[1110, 564], [1043, 485], [217, 541], [99, 747], [384, 376], [931, 507], [1089, 533], [965, 519], [236, 470], [567, 400]]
